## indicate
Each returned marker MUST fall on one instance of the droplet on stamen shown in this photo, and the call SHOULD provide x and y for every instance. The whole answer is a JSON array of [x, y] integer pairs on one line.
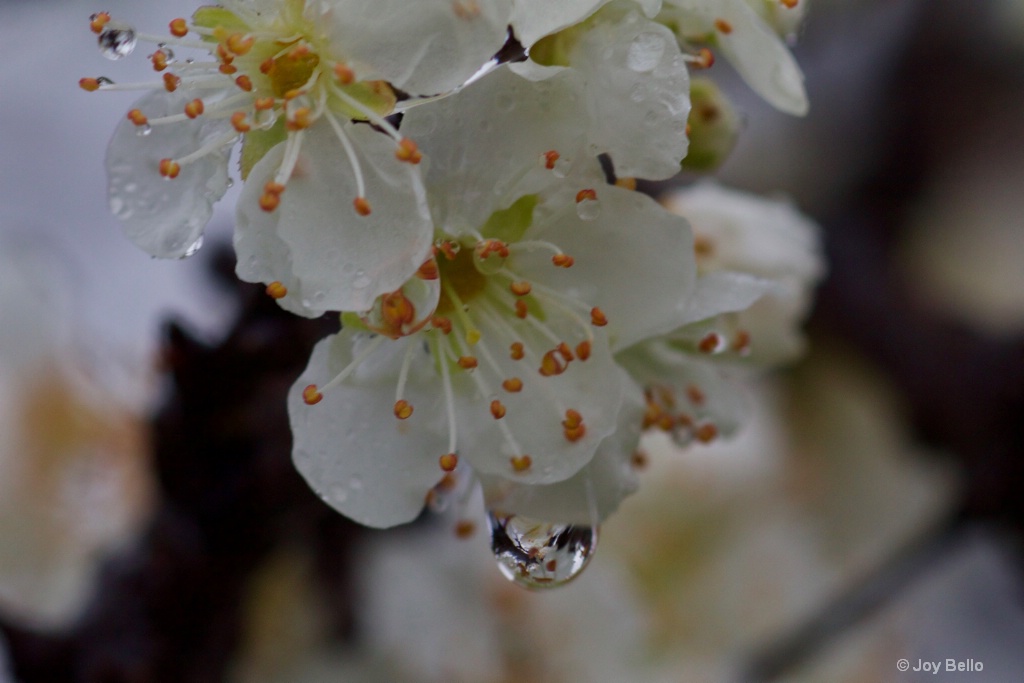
[[116, 40]]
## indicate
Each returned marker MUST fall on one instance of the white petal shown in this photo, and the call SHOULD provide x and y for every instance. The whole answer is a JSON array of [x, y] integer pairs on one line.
[[166, 217], [351, 449], [634, 261], [595, 491], [336, 259], [424, 47], [534, 19], [725, 292]]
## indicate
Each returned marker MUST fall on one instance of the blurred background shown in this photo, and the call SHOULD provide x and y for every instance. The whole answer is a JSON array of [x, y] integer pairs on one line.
[[152, 527]]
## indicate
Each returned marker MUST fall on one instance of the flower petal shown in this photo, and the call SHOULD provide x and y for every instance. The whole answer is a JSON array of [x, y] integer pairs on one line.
[[534, 19], [425, 47], [336, 259], [351, 449], [725, 292], [166, 217]]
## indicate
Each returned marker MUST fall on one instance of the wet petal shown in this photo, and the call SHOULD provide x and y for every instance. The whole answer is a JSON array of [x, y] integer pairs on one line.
[[351, 449], [534, 19], [336, 259], [166, 217]]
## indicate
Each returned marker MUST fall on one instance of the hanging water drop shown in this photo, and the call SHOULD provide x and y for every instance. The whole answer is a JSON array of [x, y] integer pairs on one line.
[[168, 53], [193, 248], [116, 41], [143, 130], [645, 52], [538, 554], [588, 209]]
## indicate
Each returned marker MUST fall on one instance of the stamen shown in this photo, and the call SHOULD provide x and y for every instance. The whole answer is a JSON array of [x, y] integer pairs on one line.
[[521, 309], [244, 82], [403, 409], [550, 158], [551, 364], [706, 433], [408, 152], [464, 529], [520, 288], [362, 207], [513, 385], [790, 4], [137, 117], [276, 290], [312, 389], [573, 427], [448, 398], [311, 395], [449, 462], [710, 343], [467, 362], [588, 194], [169, 168], [441, 323], [626, 183], [403, 375], [497, 409], [171, 82], [521, 463], [723, 26], [159, 59], [562, 260], [597, 317], [583, 350], [344, 74], [194, 108], [179, 27], [89, 84], [516, 350], [211, 146], [240, 44], [98, 21], [291, 157], [240, 123], [472, 333]]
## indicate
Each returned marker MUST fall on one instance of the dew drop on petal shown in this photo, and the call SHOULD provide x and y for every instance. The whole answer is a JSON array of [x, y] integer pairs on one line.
[[588, 209], [116, 41], [144, 130], [193, 248], [645, 52], [168, 53], [538, 554]]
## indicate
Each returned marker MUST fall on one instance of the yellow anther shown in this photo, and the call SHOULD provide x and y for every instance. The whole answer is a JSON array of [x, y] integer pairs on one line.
[[588, 193], [497, 409], [552, 364], [89, 84], [171, 82], [572, 419], [520, 288], [521, 463], [345, 75], [362, 206], [597, 317], [448, 249], [703, 246], [269, 201], [98, 21], [521, 309], [408, 152], [467, 362], [169, 168], [516, 350], [723, 26], [194, 108], [240, 44], [224, 55], [244, 82], [137, 117], [472, 336], [300, 119], [626, 183], [448, 462], [240, 123], [311, 395], [299, 51], [583, 350], [574, 434], [179, 27], [706, 433], [466, 9], [403, 409], [276, 290], [550, 158], [513, 385], [263, 103]]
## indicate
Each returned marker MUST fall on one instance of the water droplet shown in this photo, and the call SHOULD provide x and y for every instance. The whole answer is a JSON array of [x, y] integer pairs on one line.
[[103, 80], [645, 52], [231, 183], [193, 248], [168, 53], [116, 40], [588, 209], [265, 118], [538, 554], [361, 280], [356, 484], [338, 494], [505, 102], [144, 130], [636, 93], [562, 167]]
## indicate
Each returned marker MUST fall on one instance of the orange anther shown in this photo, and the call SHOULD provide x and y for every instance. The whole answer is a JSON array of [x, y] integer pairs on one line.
[[194, 108], [169, 168], [179, 27], [639, 460], [137, 117], [497, 409], [448, 462], [240, 123], [397, 311], [588, 193], [512, 385], [703, 246], [710, 342], [520, 288], [723, 26], [706, 58], [298, 52], [263, 103], [521, 309], [552, 364], [299, 120], [240, 44], [626, 183], [227, 69], [269, 201], [550, 158], [574, 434], [597, 317], [467, 362], [695, 395], [345, 75], [408, 151], [441, 323], [89, 84], [521, 463], [562, 260], [448, 249], [223, 54], [311, 395], [98, 21], [429, 270], [742, 342], [171, 82], [583, 350], [276, 290], [403, 409], [267, 65], [572, 419], [244, 82], [362, 206], [565, 352], [464, 528], [273, 188], [790, 4], [516, 350], [706, 433], [159, 59]]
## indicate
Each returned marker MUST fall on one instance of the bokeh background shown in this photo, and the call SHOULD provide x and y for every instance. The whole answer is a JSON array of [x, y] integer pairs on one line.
[[152, 528]]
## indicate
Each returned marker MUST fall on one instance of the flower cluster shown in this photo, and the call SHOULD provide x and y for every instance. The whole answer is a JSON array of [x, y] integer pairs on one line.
[[457, 179]]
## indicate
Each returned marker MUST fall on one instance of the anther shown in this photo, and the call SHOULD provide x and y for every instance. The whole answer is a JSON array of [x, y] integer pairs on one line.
[[263, 103], [171, 82], [269, 201], [626, 183], [521, 309], [705, 58], [267, 65], [497, 409], [723, 26], [169, 168], [408, 151], [159, 59], [583, 350], [298, 52], [472, 336], [709, 344], [299, 120], [228, 69], [244, 82], [550, 158], [448, 249], [566, 353], [597, 317], [89, 84], [240, 44], [311, 395], [520, 288], [344, 74], [562, 260], [574, 434], [428, 271], [521, 463], [552, 364], [362, 206], [695, 395], [516, 350], [137, 117], [639, 460], [98, 21], [179, 28], [706, 433], [441, 323], [790, 4], [588, 193], [464, 528], [448, 462], [572, 419], [467, 362], [703, 246], [491, 246], [240, 123], [403, 409], [512, 385], [223, 54], [742, 342], [276, 290], [194, 108]]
